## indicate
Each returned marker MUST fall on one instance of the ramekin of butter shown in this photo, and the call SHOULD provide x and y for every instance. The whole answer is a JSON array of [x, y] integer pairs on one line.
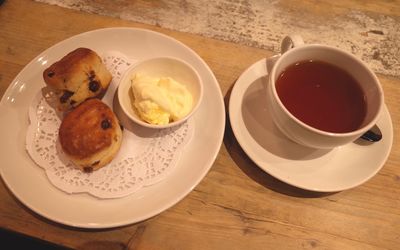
[[160, 92]]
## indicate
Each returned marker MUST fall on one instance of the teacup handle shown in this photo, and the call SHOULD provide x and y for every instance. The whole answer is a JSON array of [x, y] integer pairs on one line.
[[289, 42]]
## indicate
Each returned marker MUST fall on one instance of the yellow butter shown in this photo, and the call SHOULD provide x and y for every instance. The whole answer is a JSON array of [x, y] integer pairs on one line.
[[160, 100]]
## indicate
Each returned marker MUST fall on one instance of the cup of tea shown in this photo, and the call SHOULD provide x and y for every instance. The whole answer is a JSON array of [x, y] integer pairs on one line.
[[321, 96]]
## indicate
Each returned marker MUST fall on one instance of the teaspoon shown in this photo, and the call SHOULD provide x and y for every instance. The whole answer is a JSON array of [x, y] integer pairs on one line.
[[372, 135]]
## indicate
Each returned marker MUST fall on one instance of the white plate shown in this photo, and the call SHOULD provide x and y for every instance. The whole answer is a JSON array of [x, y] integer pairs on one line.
[[317, 170], [29, 183]]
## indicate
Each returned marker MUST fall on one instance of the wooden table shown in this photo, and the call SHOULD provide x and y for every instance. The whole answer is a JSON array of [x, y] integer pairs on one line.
[[237, 205]]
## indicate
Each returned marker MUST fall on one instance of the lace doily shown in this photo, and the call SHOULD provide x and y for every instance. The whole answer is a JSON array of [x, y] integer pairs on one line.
[[146, 156]]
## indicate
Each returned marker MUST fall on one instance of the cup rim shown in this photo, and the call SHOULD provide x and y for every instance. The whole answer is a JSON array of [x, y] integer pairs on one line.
[[357, 132], [137, 119]]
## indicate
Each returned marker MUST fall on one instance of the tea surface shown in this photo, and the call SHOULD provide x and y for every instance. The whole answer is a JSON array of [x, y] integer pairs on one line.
[[323, 96]]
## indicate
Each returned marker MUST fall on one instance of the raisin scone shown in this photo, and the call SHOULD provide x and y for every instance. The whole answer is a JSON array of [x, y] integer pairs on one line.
[[78, 76], [90, 135]]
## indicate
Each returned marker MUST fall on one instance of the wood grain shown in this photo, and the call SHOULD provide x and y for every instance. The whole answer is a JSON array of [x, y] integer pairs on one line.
[[367, 29], [237, 205]]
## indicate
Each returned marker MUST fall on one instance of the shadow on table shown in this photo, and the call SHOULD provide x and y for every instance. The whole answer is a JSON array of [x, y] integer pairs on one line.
[[15, 240], [253, 171]]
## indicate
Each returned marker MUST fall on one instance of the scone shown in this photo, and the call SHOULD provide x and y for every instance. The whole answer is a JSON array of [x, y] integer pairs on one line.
[[78, 76], [90, 135]]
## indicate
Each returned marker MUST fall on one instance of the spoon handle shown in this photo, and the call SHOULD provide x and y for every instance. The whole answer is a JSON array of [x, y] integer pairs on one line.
[[371, 136]]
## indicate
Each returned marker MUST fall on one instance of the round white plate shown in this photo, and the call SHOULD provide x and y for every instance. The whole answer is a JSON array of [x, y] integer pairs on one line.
[[29, 183], [317, 170]]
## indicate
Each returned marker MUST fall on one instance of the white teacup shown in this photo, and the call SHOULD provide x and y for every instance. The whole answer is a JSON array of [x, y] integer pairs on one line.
[[293, 50]]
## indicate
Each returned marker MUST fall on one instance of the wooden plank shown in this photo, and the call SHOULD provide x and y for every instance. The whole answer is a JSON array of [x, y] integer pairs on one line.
[[368, 29]]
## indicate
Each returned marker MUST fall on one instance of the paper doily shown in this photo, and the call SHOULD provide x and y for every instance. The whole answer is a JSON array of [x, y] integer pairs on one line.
[[146, 156]]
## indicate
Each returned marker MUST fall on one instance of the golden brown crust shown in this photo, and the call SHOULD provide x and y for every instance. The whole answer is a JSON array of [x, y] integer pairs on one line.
[[59, 73], [78, 76], [87, 132]]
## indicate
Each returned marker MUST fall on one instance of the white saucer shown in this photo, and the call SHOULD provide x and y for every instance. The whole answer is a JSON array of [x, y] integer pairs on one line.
[[312, 169]]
